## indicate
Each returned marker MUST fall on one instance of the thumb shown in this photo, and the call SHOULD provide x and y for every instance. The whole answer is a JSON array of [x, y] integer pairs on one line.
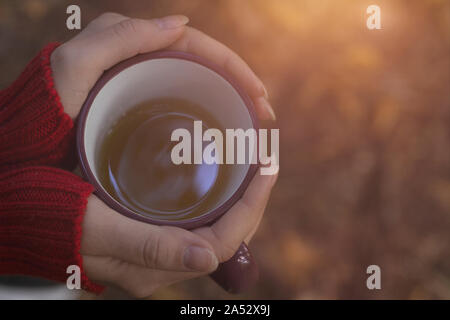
[[107, 233], [130, 37]]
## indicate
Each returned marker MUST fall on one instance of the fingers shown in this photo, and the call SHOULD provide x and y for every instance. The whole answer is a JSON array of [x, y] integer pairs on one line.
[[130, 37], [78, 63], [196, 42], [107, 233], [112, 38], [249, 236], [138, 281], [226, 234], [104, 21]]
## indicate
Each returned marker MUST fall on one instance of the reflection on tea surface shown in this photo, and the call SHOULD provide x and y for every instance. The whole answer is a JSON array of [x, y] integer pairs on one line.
[[136, 168]]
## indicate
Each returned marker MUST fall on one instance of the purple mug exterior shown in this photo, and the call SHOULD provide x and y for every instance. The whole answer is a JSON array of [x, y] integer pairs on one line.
[[239, 272]]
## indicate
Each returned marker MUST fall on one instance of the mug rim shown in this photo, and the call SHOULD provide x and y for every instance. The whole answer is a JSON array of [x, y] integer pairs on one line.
[[86, 171]]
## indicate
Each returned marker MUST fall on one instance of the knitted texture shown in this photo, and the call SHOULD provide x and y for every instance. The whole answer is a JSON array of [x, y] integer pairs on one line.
[[34, 129], [41, 207], [41, 211]]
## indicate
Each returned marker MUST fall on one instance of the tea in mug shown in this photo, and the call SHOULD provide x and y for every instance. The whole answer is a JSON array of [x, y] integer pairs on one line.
[[135, 165]]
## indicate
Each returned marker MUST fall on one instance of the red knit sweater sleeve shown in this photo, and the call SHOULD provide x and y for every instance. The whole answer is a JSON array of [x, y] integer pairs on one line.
[[41, 207], [41, 211], [34, 129]]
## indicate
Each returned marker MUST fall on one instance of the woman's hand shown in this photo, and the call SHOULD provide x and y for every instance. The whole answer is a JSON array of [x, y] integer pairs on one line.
[[140, 257], [111, 38]]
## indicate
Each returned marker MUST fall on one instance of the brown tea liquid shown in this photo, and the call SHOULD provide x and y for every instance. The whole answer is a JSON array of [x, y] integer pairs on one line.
[[136, 168]]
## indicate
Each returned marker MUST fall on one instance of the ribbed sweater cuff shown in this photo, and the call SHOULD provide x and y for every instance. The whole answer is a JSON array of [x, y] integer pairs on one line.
[[34, 129], [41, 213]]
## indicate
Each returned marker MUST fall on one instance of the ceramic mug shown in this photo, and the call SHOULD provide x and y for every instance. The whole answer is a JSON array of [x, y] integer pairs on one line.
[[183, 76]]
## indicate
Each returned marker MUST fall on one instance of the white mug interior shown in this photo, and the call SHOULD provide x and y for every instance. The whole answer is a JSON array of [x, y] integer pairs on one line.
[[160, 78]]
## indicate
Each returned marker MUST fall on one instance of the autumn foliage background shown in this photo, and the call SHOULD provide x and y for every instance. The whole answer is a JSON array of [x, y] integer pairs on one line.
[[365, 134]]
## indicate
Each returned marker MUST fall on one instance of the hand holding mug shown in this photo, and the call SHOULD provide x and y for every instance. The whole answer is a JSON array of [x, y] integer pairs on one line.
[[136, 256]]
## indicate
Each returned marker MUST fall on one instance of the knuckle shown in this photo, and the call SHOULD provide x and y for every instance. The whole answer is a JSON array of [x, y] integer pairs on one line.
[[226, 250], [124, 28], [153, 251]]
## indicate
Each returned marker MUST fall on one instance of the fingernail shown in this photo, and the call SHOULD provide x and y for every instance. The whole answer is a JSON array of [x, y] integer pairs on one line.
[[266, 95], [172, 22], [266, 105], [200, 259]]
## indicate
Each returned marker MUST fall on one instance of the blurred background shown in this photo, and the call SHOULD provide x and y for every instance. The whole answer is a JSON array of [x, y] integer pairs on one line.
[[364, 120]]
